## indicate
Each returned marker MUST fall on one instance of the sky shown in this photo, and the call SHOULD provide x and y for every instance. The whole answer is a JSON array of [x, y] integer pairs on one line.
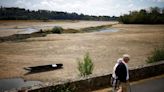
[[89, 7]]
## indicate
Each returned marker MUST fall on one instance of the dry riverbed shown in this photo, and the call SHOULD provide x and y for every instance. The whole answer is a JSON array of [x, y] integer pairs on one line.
[[104, 49], [15, 26]]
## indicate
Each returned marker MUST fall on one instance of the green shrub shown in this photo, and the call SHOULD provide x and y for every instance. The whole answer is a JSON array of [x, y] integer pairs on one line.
[[157, 55], [144, 16], [63, 88], [85, 67], [57, 29]]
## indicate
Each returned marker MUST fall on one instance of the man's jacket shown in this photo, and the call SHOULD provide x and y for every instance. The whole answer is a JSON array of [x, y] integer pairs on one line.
[[121, 72]]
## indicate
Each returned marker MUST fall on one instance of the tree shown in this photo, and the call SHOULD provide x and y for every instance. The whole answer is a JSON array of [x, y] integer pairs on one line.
[[15, 13], [163, 11], [154, 16], [155, 10]]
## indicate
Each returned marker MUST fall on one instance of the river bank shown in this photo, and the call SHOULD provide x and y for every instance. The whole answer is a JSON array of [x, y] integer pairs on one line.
[[10, 27]]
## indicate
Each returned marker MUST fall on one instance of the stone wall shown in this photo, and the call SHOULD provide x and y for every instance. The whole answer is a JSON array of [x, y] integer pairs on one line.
[[146, 71], [96, 82]]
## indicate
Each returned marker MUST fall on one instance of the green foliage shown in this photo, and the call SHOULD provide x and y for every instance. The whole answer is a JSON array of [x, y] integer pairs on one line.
[[154, 16], [57, 29], [71, 31], [96, 28], [157, 55], [63, 88], [86, 67], [15, 13]]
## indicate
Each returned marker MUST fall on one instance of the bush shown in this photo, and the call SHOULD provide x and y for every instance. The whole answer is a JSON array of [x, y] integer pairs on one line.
[[157, 55], [63, 88], [57, 29], [85, 67]]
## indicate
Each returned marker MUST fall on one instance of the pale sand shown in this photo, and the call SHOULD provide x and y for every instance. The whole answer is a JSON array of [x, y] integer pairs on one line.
[[136, 40]]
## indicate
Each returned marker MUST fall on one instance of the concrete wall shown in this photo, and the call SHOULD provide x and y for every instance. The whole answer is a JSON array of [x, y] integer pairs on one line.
[[96, 82]]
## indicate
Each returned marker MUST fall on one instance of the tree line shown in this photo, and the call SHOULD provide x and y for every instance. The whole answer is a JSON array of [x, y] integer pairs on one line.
[[153, 15], [15, 13]]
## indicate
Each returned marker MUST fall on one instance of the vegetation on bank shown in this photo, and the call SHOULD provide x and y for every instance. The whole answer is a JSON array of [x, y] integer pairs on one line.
[[15, 13], [97, 28], [154, 15], [60, 30], [55, 29], [63, 88], [157, 55], [86, 66]]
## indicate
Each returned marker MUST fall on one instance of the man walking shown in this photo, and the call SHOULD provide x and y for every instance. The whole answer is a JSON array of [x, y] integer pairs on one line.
[[121, 72]]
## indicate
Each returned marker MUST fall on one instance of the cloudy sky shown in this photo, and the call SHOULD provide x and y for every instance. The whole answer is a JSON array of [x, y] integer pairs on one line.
[[90, 7]]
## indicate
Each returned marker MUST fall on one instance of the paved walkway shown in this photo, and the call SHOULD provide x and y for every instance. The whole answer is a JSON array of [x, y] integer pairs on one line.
[[155, 84]]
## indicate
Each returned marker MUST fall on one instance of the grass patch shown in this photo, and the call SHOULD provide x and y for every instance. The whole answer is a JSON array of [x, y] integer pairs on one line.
[[60, 30], [54, 30], [157, 55], [86, 67], [57, 29], [63, 88], [71, 31], [97, 28]]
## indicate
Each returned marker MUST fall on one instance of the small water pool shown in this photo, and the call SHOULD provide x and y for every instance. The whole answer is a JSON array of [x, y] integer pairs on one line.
[[28, 31], [17, 84], [109, 30]]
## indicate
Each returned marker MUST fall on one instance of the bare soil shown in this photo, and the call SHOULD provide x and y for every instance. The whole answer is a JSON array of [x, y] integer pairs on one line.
[[105, 48]]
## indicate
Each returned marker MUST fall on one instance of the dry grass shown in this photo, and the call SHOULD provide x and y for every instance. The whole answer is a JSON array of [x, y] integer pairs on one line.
[[104, 49]]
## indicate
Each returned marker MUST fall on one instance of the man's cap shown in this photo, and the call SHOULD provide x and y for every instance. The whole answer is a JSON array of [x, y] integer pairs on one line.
[[126, 55]]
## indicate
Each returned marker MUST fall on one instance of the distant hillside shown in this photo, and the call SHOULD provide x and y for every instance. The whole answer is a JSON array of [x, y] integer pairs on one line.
[[15, 13]]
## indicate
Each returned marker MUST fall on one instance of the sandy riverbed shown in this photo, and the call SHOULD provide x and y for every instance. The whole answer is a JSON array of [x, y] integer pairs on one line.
[[14, 26], [104, 49]]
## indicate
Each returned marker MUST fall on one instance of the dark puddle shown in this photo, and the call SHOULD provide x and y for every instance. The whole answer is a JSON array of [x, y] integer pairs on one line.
[[16, 84]]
